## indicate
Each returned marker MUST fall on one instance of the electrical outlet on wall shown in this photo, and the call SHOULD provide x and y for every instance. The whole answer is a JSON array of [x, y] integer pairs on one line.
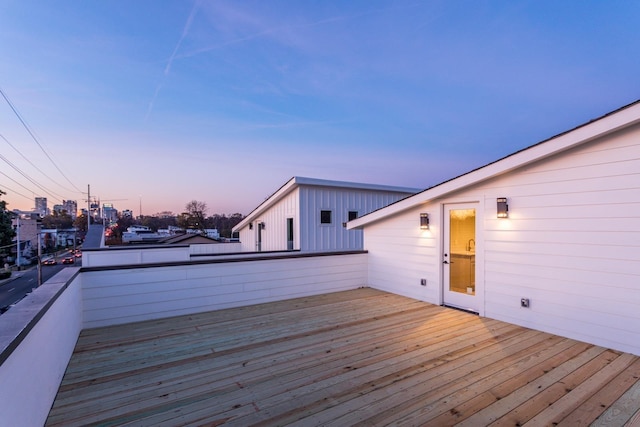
[[524, 302], [423, 282]]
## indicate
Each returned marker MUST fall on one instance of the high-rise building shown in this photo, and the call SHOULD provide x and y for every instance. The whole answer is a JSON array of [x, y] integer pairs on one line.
[[71, 206], [41, 206], [109, 212]]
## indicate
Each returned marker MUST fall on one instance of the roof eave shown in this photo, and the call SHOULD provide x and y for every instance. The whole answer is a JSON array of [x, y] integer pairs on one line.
[[619, 119], [270, 201]]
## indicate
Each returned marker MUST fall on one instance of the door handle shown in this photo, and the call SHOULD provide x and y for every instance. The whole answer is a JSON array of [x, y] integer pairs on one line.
[[445, 262]]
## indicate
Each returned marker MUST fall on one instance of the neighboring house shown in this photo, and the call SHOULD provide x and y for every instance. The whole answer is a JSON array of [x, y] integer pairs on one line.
[[188, 238], [30, 228], [564, 258], [140, 234], [309, 214]]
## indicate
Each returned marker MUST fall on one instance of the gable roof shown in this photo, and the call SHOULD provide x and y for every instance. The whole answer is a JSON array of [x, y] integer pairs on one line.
[[621, 118], [297, 181]]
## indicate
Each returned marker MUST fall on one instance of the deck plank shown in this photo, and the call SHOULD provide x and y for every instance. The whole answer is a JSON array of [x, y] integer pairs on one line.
[[362, 356]]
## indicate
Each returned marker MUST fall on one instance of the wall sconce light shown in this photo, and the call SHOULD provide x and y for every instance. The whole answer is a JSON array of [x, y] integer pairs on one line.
[[250, 226], [424, 221], [261, 225], [503, 207]]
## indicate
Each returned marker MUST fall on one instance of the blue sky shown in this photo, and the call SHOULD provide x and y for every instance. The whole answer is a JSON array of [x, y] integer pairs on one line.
[[156, 103]]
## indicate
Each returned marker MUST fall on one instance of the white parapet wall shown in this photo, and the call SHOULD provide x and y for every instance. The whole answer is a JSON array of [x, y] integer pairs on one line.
[[145, 254], [135, 292], [134, 255], [215, 248], [37, 338], [38, 335]]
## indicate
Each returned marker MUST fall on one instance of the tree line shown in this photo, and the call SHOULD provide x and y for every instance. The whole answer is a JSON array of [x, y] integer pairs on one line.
[[195, 217]]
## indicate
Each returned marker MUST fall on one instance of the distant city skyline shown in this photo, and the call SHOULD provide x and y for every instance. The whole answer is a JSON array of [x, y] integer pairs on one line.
[[154, 104]]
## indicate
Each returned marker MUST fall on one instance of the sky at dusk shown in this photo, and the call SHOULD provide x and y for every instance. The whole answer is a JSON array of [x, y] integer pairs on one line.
[[155, 103]]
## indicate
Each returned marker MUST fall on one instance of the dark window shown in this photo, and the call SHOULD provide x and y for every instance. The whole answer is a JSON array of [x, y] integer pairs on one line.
[[353, 215], [290, 234], [325, 217]]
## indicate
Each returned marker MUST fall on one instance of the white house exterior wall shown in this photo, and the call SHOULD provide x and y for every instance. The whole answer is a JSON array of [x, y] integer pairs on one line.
[[330, 237], [571, 245], [274, 235], [400, 255]]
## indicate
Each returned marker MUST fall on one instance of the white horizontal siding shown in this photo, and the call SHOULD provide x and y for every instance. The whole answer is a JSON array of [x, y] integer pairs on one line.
[[400, 255], [214, 248], [134, 255], [121, 296], [571, 244]]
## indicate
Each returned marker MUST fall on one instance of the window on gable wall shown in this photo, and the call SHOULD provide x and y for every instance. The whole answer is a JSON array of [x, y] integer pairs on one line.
[[325, 217], [353, 215]]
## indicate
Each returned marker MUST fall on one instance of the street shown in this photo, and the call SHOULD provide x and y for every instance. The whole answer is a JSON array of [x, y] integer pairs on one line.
[[17, 288]]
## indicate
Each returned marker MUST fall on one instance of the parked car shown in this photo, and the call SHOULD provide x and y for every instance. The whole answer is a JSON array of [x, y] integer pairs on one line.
[[68, 260], [50, 261]]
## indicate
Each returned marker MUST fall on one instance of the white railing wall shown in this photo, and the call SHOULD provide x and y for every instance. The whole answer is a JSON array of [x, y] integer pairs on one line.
[[129, 255], [136, 293], [134, 255], [38, 337], [215, 248]]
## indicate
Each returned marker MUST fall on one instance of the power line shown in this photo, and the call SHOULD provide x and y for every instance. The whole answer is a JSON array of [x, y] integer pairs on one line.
[[15, 111], [32, 164], [51, 193], [18, 184], [16, 192]]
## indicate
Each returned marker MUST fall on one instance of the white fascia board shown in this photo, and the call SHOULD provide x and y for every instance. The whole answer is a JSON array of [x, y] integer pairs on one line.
[[354, 185], [617, 120], [270, 201]]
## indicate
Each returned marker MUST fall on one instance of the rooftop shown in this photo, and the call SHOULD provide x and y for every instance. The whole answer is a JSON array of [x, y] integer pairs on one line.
[[355, 357]]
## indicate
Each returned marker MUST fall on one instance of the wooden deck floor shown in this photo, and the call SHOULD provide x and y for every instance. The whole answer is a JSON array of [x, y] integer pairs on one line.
[[361, 357]]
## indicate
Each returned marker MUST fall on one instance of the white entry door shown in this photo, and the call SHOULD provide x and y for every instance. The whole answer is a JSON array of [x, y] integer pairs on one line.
[[459, 256]]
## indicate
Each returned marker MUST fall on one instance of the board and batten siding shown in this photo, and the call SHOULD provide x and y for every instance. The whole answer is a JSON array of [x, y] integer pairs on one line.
[[571, 244], [134, 294], [331, 237], [274, 235]]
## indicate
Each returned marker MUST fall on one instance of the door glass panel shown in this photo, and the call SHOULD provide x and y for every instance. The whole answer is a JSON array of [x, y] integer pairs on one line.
[[462, 247]]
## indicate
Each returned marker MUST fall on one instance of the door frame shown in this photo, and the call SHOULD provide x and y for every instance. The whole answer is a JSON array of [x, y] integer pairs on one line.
[[478, 204]]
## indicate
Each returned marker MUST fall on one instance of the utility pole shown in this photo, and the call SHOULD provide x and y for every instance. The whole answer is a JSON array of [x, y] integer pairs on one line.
[[88, 207], [18, 245], [39, 259]]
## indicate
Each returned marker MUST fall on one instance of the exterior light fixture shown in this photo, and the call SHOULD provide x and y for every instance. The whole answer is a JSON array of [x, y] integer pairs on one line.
[[503, 207], [261, 225], [424, 221], [250, 226]]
